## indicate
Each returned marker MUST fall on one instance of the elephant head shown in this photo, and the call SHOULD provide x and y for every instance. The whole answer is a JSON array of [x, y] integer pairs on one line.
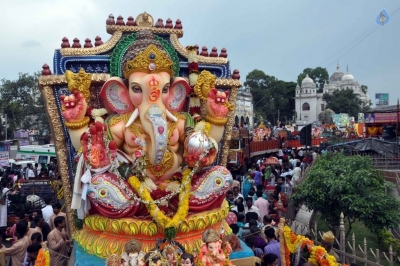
[[149, 93]]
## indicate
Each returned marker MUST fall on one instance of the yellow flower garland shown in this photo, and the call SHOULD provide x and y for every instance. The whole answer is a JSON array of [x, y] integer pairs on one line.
[[43, 258], [47, 256], [161, 219], [318, 255], [295, 245]]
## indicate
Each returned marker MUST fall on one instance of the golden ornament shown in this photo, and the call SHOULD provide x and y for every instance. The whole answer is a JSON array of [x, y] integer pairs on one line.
[[151, 60], [77, 125], [80, 82], [216, 121]]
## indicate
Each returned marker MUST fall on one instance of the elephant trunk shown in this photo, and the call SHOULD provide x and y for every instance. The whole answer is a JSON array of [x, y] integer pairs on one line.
[[155, 124]]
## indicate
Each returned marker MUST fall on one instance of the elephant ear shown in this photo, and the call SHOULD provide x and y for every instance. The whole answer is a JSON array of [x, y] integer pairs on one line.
[[177, 94], [115, 96]]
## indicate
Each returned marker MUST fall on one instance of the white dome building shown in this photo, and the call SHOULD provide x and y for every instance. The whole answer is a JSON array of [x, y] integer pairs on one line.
[[244, 107], [309, 103], [307, 81]]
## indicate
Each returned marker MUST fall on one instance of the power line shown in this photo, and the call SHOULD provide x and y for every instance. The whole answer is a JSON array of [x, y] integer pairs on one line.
[[354, 45], [367, 33], [370, 30]]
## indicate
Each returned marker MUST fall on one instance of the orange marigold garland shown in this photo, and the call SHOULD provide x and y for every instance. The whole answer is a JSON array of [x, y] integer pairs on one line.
[[318, 255], [43, 258], [287, 255]]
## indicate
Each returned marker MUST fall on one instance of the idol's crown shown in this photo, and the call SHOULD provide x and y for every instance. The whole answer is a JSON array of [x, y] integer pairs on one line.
[[150, 60]]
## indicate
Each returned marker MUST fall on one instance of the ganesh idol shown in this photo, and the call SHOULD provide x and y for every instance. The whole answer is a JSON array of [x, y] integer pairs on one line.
[[144, 157]]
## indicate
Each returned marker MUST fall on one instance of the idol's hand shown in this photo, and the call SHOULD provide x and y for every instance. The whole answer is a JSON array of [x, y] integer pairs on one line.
[[74, 107], [94, 146]]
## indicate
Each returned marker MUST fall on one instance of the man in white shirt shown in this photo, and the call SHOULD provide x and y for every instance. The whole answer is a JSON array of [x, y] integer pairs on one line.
[[47, 211], [262, 204], [280, 153], [296, 173], [30, 173], [236, 190], [301, 153], [249, 207], [314, 156]]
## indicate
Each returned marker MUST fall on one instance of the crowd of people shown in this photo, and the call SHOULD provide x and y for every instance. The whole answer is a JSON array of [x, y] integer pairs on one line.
[[259, 198], [30, 172], [27, 234], [11, 180]]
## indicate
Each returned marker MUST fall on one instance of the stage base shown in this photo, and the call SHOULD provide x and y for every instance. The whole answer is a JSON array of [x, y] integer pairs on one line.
[[82, 258], [245, 257]]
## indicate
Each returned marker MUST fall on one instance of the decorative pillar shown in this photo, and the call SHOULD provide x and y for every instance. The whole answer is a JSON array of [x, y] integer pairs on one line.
[[342, 242], [228, 127], [61, 151]]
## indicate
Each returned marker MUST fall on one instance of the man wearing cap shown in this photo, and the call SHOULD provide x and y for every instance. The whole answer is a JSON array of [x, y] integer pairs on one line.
[[236, 190], [327, 242]]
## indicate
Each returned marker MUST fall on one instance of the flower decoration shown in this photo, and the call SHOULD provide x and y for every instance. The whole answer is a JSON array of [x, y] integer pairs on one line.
[[43, 258], [318, 255]]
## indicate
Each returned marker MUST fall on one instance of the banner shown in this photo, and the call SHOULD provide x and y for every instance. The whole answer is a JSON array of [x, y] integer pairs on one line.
[[381, 99], [340, 120], [271, 161], [360, 118], [381, 118], [4, 156]]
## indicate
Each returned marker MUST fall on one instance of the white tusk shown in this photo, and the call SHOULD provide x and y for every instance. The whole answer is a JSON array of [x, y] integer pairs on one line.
[[133, 117], [171, 116]]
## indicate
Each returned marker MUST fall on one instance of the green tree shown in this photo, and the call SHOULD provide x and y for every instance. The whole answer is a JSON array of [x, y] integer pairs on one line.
[[345, 101], [364, 89], [22, 102], [319, 75], [273, 98], [337, 183]]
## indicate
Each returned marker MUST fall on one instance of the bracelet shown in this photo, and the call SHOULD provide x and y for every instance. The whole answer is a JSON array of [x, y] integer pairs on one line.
[[77, 125], [216, 121]]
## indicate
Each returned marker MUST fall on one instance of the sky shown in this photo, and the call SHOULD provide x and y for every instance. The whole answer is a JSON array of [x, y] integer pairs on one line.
[[280, 38]]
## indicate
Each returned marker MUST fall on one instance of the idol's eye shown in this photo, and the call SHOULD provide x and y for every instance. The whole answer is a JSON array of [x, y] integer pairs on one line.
[[136, 89], [165, 89]]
